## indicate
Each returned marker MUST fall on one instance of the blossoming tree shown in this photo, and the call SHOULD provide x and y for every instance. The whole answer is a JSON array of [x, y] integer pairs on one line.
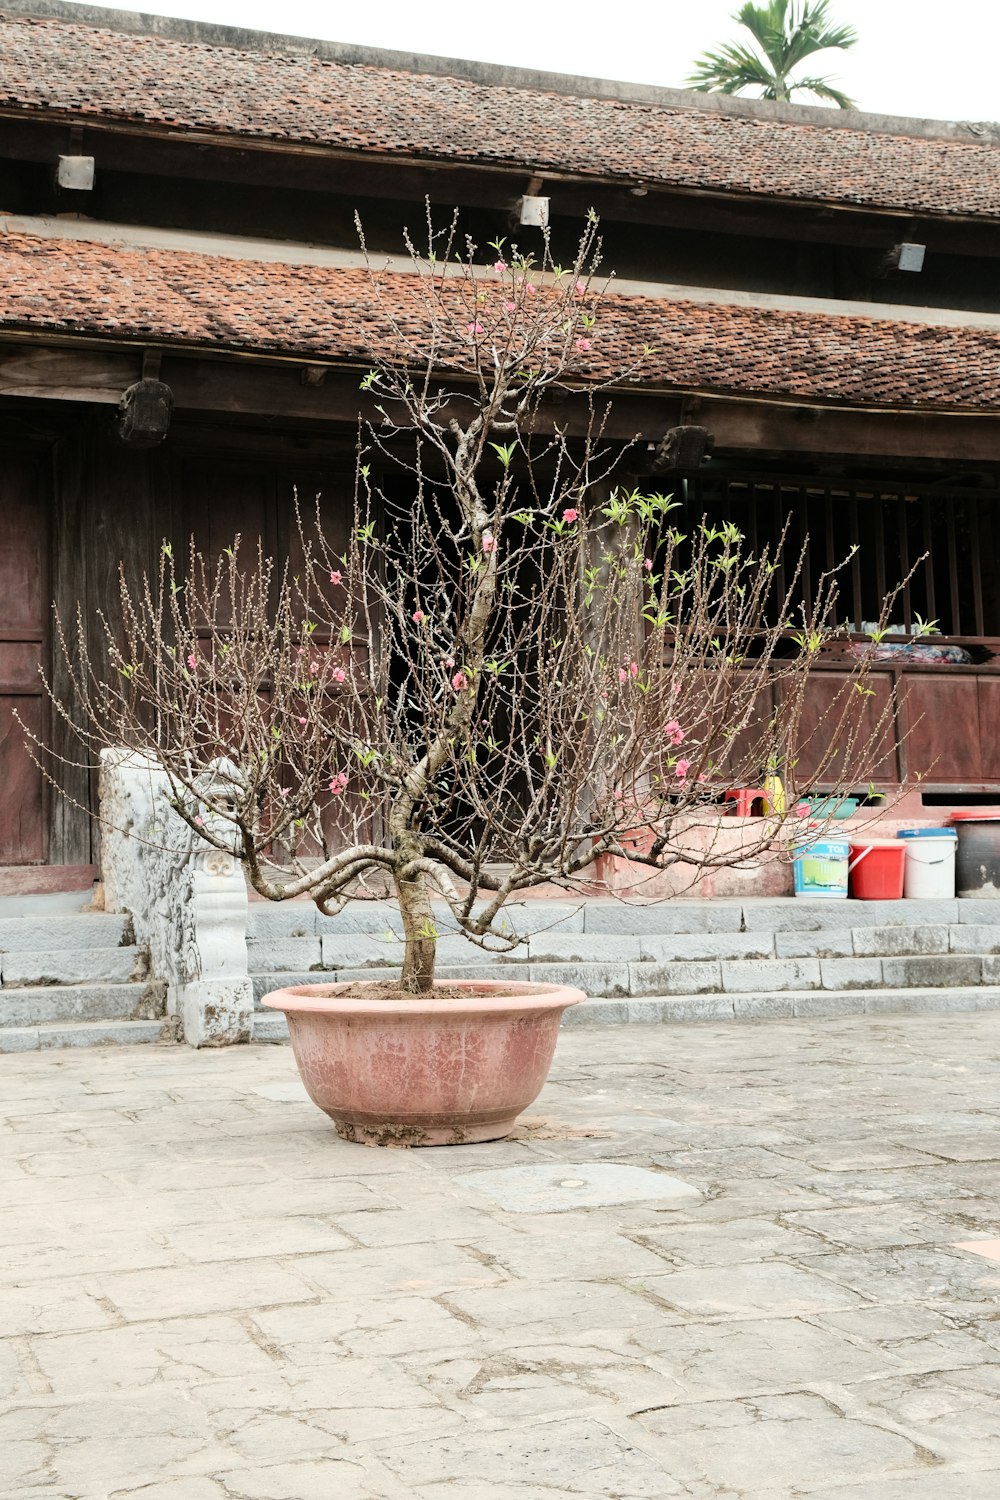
[[521, 660]]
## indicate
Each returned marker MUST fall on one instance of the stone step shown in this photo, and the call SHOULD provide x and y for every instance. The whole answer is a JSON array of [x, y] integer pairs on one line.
[[380, 919], [623, 976], [41, 933], [647, 1010], [299, 920], [340, 951], [270, 1026], [102, 1033], [37, 1005], [72, 966], [654, 1009]]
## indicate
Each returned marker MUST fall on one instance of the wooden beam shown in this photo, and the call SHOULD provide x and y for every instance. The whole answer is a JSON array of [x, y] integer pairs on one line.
[[40, 372], [739, 426], [242, 388]]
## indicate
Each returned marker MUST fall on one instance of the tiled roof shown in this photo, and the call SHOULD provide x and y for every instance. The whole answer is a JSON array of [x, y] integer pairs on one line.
[[114, 293], [77, 70]]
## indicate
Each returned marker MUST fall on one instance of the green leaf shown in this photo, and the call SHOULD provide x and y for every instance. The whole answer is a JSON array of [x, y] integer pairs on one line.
[[505, 452]]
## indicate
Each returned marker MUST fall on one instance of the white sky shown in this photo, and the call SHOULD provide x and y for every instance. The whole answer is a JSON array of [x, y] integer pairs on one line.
[[915, 57]]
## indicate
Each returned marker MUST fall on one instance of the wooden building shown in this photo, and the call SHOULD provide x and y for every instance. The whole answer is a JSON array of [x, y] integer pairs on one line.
[[178, 204]]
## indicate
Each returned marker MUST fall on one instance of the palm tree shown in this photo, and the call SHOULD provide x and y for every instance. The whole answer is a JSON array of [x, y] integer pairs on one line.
[[785, 32]]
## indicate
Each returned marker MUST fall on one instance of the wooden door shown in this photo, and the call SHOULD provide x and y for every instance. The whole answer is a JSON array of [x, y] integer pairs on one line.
[[24, 525]]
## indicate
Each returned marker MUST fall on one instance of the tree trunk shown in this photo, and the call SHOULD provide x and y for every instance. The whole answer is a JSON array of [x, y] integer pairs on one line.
[[419, 934]]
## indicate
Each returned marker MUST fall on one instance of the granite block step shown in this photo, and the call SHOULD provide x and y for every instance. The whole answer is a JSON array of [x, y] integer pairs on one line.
[[650, 1010], [41, 933], [654, 1009], [99, 1033], [264, 983], [599, 976], [680, 918], [277, 955], [41, 1004], [381, 919], [790, 914], [270, 1026], [72, 966]]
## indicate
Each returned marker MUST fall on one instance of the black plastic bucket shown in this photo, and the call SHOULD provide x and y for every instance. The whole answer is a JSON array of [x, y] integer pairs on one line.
[[977, 866]]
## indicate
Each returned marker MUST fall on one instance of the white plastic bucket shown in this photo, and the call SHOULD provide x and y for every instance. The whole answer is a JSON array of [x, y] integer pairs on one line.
[[930, 864]]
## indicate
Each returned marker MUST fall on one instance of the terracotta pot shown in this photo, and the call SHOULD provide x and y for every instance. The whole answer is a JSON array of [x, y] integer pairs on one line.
[[426, 1071]]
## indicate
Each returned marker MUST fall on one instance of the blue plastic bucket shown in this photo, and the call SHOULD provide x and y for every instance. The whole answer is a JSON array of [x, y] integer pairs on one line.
[[819, 869]]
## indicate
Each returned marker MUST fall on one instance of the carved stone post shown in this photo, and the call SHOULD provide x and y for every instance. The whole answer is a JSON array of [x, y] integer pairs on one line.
[[187, 900]]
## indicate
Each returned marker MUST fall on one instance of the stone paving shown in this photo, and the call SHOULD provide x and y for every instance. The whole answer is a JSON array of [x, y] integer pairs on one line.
[[207, 1296]]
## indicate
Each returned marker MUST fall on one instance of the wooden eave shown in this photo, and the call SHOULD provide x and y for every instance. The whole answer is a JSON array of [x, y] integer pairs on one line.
[[156, 149]]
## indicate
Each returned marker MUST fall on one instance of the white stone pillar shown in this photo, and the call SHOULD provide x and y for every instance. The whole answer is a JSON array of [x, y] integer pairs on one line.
[[187, 901]]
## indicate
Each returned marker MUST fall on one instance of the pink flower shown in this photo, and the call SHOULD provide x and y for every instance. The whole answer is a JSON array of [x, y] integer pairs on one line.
[[530, 288], [200, 821], [674, 732], [192, 661], [336, 576], [648, 565], [583, 343], [338, 783], [499, 266], [570, 515], [475, 328], [510, 307], [681, 769], [622, 675], [418, 617], [449, 661], [802, 810], [702, 777], [580, 289], [459, 681], [303, 721], [314, 667], [489, 542], [633, 667], [675, 688], [338, 674]]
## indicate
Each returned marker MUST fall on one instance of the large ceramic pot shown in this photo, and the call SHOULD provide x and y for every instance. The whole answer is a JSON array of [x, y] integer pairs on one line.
[[425, 1071]]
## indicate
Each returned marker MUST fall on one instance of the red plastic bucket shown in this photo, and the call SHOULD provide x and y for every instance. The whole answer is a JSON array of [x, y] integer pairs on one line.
[[877, 868]]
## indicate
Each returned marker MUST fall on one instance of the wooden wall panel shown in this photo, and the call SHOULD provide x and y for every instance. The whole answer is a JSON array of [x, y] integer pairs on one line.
[[989, 726], [830, 700], [940, 719]]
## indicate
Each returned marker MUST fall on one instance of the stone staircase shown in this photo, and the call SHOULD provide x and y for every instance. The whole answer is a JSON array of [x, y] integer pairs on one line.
[[73, 979], [681, 960], [76, 979]]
